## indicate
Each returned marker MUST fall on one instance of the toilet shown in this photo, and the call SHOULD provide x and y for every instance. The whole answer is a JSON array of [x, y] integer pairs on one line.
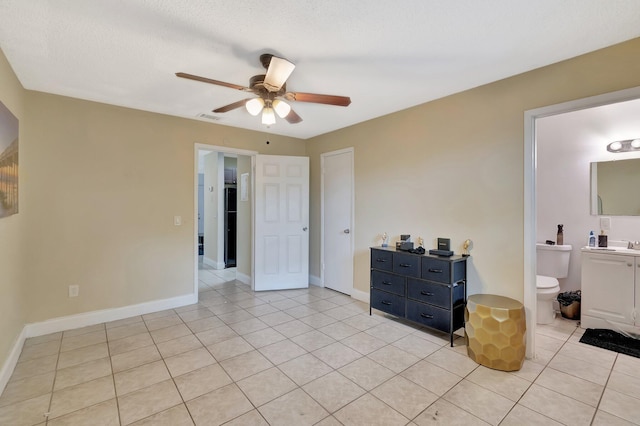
[[552, 262]]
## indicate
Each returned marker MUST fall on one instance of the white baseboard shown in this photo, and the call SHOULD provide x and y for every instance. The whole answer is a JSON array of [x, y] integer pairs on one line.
[[84, 319], [313, 280], [213, 263], [12, 359], [243, 278], [105, 315], [362, 296]]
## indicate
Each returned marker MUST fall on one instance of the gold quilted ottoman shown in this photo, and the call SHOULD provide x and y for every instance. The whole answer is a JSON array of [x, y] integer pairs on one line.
[[495, 331]]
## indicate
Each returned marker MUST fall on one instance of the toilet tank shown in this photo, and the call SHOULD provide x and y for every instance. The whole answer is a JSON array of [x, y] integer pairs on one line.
[[553, 261]]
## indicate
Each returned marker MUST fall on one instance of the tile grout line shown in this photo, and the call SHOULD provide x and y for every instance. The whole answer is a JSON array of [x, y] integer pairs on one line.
[[604, 388], [536, 378], [113, 375], [53, 385], [173, 380], [547, 365]]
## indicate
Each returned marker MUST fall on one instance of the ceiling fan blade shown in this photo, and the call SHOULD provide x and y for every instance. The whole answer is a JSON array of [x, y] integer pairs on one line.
[[277, 74], [232, 106], [318, 99], [292, 117], [211, 81]]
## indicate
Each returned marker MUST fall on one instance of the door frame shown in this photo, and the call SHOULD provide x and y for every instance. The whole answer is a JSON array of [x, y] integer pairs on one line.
[[530, 208], [196, 154], [322, 205]]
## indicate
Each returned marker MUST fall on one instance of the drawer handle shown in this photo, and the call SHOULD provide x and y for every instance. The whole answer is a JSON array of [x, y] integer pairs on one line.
[[437, 271], [405, 265], [386, 282], [427, 316], [381, 260], [426, 293], [384, 302]]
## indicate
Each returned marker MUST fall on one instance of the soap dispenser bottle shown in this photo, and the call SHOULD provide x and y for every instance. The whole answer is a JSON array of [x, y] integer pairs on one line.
[[560, 238], [592, 239]]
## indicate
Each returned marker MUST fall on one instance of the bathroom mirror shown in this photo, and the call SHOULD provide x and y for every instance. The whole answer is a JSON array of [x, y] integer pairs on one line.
[[615, 188]]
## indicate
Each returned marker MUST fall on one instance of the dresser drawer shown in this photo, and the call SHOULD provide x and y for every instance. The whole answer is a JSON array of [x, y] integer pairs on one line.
[[387, 302], [388, 282], [382, 259], [429, 292], [436, 270], [428, 315], [406, 264]]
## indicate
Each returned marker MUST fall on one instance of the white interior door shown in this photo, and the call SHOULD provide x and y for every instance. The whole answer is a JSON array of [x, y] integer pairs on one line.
[[337, 212], [281, 222]]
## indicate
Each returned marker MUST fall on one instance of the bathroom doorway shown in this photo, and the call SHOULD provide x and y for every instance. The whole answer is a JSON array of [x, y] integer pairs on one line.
[[530, 201]]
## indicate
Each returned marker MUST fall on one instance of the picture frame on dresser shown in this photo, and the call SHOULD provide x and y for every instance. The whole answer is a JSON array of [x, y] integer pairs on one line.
[[425, 289]]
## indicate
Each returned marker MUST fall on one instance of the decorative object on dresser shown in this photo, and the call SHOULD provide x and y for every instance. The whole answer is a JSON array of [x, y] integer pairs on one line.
[[405, 243], [429, 290], [444, 248], [466, 247]]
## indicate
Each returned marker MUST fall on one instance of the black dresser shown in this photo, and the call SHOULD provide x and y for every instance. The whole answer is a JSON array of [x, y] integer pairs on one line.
[[429, 290]]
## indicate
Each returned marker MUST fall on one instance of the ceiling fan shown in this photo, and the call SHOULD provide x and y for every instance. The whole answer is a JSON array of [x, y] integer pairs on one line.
[[270, 88]]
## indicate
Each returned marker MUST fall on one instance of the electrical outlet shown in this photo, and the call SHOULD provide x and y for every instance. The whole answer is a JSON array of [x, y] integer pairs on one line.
[[74, 290], [605, 223]]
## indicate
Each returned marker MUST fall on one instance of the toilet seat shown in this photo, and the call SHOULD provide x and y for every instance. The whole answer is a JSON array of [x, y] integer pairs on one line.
[[544, 282]]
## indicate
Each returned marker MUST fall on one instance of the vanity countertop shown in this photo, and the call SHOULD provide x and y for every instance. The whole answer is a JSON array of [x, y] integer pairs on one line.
[[612, 249]]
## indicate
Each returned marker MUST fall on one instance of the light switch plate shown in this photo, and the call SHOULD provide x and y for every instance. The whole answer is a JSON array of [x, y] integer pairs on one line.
[[177, 220], [74, 290], [605, 223]]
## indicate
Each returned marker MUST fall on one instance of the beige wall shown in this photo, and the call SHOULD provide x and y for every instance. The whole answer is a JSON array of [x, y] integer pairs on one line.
[[13, 311], [454, 167], [243, 255], [103, 184], [213, 220]]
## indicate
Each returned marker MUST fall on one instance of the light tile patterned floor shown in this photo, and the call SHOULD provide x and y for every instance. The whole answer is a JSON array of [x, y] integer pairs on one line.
[[304, 357]]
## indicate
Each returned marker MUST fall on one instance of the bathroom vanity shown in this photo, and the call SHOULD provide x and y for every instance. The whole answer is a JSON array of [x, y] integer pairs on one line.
[[610, 288]]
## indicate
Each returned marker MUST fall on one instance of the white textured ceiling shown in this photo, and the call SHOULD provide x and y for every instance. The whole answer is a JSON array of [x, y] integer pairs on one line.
[[385, 55]]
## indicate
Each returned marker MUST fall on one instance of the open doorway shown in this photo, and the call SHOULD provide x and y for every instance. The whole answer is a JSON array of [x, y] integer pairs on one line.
[[229, 211], [223, 235], [211, 208], [530, 201]]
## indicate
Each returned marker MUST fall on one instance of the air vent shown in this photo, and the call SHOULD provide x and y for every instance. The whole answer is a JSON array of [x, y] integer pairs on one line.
[[209, 117]]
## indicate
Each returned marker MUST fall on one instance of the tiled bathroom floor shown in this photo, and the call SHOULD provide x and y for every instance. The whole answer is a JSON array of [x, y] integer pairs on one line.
[[304, 357]]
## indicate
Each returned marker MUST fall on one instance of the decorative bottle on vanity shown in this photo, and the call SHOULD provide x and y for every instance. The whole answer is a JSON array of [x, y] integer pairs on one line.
[[602, 239], [560, 238]]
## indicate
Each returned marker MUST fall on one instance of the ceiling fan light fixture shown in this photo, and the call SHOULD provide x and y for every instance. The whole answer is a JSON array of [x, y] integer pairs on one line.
[[282, 108], [278, 72], [254, 106], [268, 117]]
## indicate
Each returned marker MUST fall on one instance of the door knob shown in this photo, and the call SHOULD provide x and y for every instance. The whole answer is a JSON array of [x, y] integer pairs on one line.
[[305, 228], [346, 231]]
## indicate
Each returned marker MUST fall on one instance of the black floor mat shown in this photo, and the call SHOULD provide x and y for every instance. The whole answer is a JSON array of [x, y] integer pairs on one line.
[[612, 340]]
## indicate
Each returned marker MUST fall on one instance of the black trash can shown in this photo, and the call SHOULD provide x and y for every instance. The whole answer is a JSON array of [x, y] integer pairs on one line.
[[570, 304]]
